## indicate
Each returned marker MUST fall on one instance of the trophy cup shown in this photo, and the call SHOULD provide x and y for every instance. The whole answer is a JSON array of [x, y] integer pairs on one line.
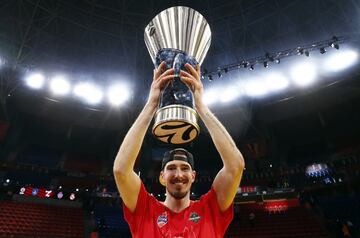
[[177, 35]]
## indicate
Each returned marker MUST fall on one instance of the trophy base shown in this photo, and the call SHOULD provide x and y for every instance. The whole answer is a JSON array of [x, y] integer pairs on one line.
[[176, 124]]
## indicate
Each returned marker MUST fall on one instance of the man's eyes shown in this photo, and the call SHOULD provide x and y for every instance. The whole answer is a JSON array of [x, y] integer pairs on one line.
[[183, 168]]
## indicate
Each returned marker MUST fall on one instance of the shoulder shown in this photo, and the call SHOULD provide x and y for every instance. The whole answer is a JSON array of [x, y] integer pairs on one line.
[[210, 201], [210, 195], [144, 201]]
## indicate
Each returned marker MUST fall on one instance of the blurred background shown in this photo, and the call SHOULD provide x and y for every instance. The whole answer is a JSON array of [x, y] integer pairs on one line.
[[282, 76]]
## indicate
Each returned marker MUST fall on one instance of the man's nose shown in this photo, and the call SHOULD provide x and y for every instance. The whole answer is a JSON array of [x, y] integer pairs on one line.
[[178, 172]]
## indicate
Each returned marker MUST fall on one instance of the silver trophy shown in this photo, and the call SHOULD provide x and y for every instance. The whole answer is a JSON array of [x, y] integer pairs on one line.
[[177, 35]]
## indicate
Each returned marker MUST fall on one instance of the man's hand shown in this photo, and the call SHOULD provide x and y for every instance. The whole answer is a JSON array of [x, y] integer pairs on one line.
[[160, 81], [193, 81]]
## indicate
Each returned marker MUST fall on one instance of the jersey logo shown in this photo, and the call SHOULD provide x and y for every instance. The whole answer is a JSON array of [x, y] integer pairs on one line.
[[162, 220], [194, 217]]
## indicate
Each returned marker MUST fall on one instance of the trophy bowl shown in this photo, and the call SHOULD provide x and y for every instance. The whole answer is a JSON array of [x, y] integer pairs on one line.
[[177, 35]]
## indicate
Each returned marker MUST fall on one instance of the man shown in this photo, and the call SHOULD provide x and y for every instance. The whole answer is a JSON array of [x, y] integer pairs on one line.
[[178, 216]]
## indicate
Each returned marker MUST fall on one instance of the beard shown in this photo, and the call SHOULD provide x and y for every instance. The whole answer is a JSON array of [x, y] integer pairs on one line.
[[178, 194]]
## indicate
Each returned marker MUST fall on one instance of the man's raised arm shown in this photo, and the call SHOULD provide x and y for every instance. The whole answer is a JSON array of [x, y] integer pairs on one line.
[[128, 183], [228, 179]]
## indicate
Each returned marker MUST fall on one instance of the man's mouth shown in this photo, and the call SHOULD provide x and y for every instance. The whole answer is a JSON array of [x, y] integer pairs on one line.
[[176, 182]]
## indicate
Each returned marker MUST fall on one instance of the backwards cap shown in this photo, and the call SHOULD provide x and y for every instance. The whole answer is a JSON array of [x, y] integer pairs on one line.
[[177, 154]]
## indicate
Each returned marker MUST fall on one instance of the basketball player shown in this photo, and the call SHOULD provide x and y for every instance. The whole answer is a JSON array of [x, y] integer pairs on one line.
[[178, 216]]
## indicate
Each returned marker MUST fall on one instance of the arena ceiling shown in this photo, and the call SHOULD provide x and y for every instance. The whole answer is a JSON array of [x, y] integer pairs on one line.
[[90, 38]]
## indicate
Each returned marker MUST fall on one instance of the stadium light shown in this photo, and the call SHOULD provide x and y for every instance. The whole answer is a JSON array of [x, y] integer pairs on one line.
[[303, 74], [2, 61], [35, 80], [276, 81], [59, 85], [230, 93], [340, 60], [118, 94], [89, 92], [255, 88], [210, 97]]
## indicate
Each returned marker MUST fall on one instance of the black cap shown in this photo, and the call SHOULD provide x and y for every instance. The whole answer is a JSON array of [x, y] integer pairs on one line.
[[177, 154]]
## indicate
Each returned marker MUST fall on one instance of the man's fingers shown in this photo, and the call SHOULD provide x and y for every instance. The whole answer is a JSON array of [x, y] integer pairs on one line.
[[167, 72], [188, 82], [198, 70], [162, 65], [191, 70], [185, 74], [164, 80], [160, 69]]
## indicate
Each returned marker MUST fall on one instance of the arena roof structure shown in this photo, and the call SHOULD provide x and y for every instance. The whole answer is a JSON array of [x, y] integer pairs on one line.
[[272, 64]]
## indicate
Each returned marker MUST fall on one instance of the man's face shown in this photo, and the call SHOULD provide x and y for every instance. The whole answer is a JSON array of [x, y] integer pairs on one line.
[[178, 178]]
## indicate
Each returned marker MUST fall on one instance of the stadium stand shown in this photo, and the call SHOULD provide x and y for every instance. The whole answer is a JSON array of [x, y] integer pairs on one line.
[[110, 222], [274, 220], [37, 220]]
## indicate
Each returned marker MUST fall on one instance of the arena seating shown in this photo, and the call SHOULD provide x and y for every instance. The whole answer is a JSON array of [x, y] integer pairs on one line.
[[34, 178], [110, 222], [82, 162], [275, 220], [37, 220], [40, 156], [340, 207]]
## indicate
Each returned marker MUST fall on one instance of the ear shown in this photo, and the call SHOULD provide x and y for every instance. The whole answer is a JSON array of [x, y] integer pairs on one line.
[[161, 179], [193, 176]]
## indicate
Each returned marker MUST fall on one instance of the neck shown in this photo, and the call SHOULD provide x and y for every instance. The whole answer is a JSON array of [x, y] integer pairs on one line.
[[177, 205]]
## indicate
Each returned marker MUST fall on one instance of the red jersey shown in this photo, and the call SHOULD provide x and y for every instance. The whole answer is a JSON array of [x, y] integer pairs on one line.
[[203, 218]]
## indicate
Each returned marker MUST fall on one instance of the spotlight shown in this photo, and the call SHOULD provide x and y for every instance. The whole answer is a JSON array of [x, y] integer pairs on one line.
[[210, 96], [267, 56], [255, 88], [59, 85], [35, 81], [266, 64], [341, 60], [229, 94], [277, 61], [89, 92], [276, 81], [303, 74], [219, 73], [300, 51], [2, 61], [251, 67], [118, 94], [245, 64], [322, 50], [334, 45]]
